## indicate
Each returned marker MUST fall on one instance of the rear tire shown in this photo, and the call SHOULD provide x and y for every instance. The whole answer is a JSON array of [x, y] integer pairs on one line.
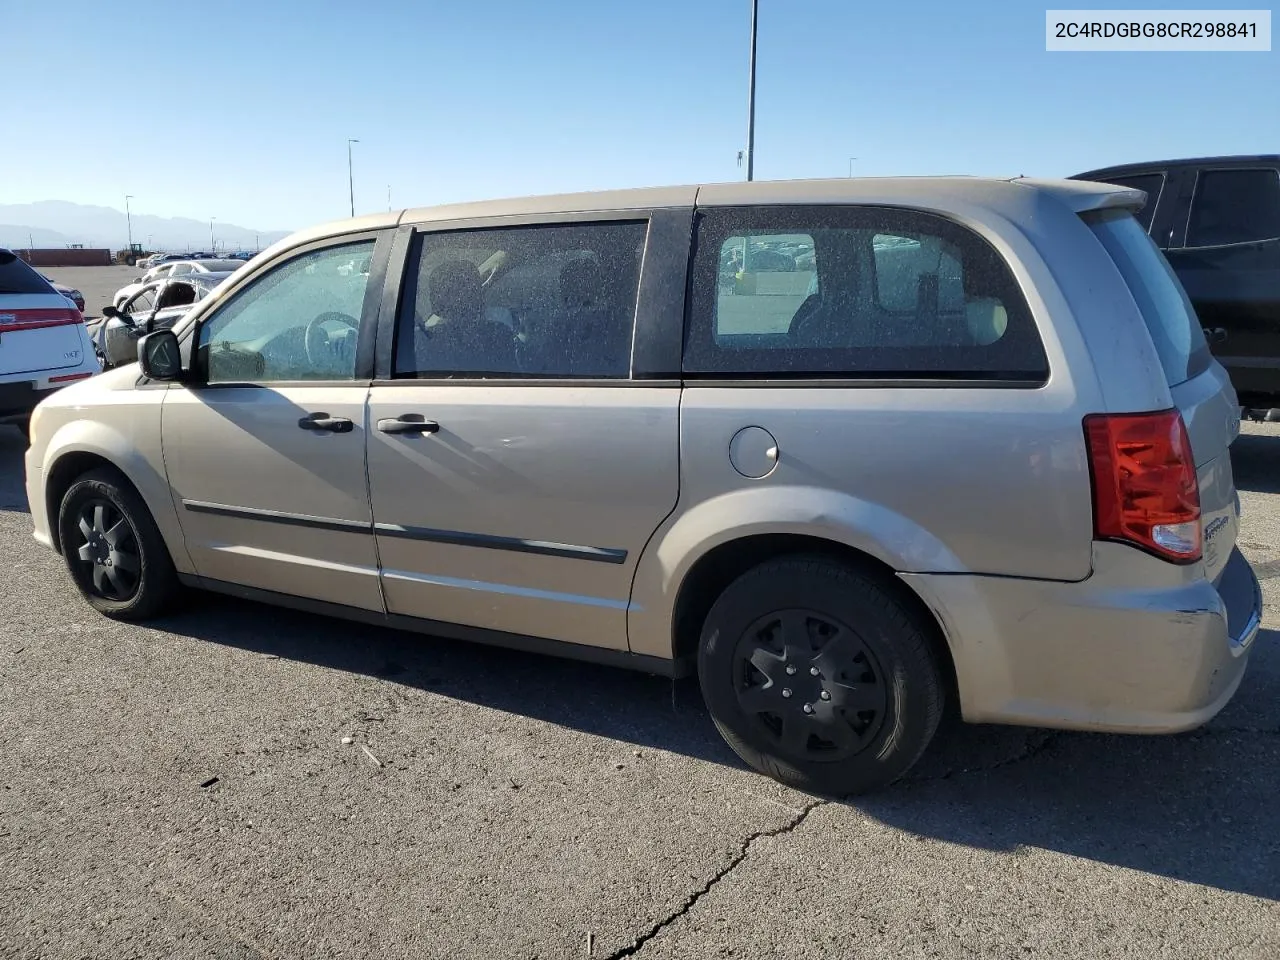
[[819, 676], [113, 549]]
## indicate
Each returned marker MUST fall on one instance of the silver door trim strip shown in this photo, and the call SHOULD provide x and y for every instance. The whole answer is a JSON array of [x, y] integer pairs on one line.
[[460, 538], [277, 516]]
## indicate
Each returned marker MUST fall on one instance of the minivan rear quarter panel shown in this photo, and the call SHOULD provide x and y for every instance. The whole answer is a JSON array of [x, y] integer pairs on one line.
[[927, 476]]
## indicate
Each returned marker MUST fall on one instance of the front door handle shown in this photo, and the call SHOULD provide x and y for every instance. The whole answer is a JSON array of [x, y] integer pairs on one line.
[[1216, 334], [322, 423], [406, 425]]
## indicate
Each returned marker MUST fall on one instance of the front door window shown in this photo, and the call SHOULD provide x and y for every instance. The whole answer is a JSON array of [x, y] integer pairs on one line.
[[298, 321]]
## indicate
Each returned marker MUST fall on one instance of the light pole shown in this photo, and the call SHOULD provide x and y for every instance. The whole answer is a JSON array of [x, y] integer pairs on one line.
[[213, 246], [751, 96], [128, 218], [851, 159], [351, 189], [388, 198]]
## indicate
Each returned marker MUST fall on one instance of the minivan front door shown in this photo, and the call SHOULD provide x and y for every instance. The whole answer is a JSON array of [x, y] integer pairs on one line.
[[265, 448], [516, 468]]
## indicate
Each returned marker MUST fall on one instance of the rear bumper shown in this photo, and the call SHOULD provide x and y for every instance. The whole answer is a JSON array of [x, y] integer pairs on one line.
[[1141, 646], [17, 400]]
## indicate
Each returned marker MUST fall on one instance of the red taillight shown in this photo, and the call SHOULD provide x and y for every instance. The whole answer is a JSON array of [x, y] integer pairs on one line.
[[1145, 490], [34, 318], [68, 377]]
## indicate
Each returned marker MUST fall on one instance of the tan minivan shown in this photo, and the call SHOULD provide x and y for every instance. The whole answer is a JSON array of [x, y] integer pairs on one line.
[[847, 449]]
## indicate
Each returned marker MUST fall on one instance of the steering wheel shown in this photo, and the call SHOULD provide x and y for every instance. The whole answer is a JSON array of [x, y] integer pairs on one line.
[[316, 342]]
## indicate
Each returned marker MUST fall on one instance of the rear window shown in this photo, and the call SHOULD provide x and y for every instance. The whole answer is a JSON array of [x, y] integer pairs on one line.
[[854, 292], [17, 277], [1170, 318]]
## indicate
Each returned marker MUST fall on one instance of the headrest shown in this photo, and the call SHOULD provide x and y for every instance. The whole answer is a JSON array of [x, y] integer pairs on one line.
[[456, 290], [987, 319]]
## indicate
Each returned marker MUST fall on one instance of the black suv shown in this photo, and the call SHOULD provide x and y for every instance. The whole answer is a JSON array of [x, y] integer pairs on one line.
[[1217, 219]]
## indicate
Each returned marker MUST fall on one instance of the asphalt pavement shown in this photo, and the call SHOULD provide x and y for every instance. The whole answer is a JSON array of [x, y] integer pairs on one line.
[[244, 782]]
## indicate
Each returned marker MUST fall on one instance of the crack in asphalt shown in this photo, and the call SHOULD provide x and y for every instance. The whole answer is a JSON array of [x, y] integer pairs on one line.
[[691, 900], [1036, 745]]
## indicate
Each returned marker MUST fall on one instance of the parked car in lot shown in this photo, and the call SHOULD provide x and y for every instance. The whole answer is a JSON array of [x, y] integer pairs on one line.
[[155, 305], [71, 293], [1217, 219], [173, 268], [43, 345], [976, 449]]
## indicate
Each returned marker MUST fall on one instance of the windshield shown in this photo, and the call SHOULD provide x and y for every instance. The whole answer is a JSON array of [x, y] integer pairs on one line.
[[1170, 318]]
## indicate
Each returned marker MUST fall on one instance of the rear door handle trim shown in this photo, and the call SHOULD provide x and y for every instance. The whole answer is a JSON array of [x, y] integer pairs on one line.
[[401, 425]]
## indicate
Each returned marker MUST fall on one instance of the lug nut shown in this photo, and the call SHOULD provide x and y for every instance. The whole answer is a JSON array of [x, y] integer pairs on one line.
[[791, 668], [786, 691], [813, 671], [825, 695], [808, 708]]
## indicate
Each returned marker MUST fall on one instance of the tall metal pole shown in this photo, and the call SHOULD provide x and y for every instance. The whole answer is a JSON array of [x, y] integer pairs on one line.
[[128, 218], [388, 198], [851, 159], [351, 189], [213, 246], [751, 97]]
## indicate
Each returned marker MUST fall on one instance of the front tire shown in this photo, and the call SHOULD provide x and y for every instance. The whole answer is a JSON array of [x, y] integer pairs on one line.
[[113, 549], [820, 676]]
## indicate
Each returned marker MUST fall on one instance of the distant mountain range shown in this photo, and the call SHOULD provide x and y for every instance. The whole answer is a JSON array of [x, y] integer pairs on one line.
[[57, 223]]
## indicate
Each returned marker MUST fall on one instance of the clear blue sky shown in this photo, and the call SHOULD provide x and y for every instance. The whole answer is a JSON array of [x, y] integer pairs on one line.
[[241, 110]]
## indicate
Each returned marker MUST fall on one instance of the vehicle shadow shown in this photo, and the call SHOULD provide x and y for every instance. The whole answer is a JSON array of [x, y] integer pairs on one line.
[[1255, 461], [13, 491], [1194, 807]]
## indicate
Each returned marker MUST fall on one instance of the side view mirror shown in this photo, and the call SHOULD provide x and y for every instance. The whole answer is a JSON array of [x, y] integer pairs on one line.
[[109, 311], [160, 356]]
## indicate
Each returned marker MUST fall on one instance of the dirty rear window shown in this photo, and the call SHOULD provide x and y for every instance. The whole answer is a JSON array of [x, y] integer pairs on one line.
[[17, 277], [1170, 318]]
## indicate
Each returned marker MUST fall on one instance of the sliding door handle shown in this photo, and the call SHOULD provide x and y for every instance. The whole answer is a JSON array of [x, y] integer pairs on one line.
[[323, 423], [406, 425]]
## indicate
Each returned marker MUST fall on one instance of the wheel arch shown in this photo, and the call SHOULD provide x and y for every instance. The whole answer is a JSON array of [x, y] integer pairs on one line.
[[712, 573], [62, 473], [81, 446]]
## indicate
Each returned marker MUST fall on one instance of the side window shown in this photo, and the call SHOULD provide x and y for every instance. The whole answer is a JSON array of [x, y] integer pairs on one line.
[[1234, 206], [298, 321], [553, 300], [142, 302], [869, 292], [1151, 184], [907, 267], [765, 280]]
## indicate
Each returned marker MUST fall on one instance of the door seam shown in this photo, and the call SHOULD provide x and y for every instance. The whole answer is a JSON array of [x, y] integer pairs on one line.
[[368, 496]]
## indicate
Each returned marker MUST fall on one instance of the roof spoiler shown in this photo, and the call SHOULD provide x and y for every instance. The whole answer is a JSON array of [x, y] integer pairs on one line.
[[1083, 196]]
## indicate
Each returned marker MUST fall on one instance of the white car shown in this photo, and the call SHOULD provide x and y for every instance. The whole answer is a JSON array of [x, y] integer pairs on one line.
[[43, 342], [174, 268]]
